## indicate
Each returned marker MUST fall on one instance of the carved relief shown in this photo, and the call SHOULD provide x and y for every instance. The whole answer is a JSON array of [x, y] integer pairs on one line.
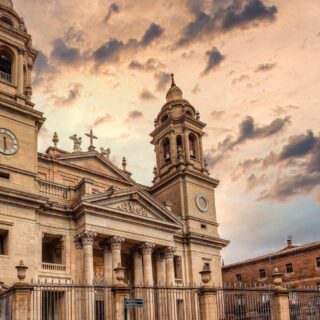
[[135, 208]]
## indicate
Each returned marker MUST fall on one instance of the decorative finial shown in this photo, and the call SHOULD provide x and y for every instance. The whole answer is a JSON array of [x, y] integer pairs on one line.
[[92, 138], [105, 152], [76, 143], [173, 83], [55, 139], [124, 164]]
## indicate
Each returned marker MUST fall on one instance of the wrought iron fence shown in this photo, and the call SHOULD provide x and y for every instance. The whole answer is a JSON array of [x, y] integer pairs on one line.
[[78, 302], [6, 305], [304, 304], [244, 304]]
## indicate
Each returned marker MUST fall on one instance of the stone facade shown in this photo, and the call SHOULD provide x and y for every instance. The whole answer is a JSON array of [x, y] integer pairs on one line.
[[76, 216], [300, 266]]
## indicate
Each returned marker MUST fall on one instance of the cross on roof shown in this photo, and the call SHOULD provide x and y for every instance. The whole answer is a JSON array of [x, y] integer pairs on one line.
[[92, 137]]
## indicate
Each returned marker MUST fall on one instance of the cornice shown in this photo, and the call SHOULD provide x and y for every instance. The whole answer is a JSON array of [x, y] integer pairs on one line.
[[196, 238], [182, 174]]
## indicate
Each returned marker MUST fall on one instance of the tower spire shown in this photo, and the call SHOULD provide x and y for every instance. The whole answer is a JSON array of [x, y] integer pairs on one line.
[[173, 83]]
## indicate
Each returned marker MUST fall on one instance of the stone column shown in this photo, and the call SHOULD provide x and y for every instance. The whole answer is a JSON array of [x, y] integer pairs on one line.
[[107, 263], [115, 243], [88, 298], [169, 254], [147, 249], [20, 72], [161, 269], [138, 268], [87, 239]]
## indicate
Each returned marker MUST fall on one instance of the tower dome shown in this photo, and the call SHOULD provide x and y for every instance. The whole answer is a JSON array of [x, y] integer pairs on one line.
[[7, 3], [174, 93]]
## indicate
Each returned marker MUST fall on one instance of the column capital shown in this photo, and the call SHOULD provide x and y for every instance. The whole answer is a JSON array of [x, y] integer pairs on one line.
[[85, 238], [115, 242], [147, 248], [169, 252]]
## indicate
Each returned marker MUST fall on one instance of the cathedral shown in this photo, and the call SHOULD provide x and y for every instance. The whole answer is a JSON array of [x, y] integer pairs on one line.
[[73, 215]]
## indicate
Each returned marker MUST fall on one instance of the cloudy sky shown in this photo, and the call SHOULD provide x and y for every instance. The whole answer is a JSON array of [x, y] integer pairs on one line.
[[251, 68]]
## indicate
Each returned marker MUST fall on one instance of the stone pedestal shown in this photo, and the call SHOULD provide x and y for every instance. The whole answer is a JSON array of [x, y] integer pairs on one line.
[[281, 304], [208, 304], [119, 295], [21, 302]]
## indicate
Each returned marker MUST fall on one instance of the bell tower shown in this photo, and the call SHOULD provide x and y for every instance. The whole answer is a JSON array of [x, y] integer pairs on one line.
[[19, 121], [178, 136], [182, 179]]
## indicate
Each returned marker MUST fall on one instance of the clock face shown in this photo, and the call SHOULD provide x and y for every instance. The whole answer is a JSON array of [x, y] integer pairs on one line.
[[202, 203], [8, 142]]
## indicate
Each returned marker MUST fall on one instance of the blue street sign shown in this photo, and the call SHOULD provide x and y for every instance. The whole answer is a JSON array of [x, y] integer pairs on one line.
[[133, 303]]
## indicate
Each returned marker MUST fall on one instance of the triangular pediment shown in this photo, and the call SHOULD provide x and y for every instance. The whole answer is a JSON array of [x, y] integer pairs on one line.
[[92, 161], [135, 203]]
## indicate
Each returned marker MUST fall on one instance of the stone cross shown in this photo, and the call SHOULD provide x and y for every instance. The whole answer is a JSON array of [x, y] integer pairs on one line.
[[92, 137], [76, 143]]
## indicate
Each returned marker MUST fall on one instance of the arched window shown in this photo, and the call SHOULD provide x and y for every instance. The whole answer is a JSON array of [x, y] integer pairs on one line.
[[5, 65], [193, 146], [6, 20], [166, 150], [179, 144]]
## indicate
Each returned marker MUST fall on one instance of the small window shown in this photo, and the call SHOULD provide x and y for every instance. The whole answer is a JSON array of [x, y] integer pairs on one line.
[[289, 268], [6, 20], [52, 249], [3, 242], [164, 118], [5, 66], [203, 226], [189, 113], [318, 262], [239, 277], [262, 274], [179, 143], [166, 150], [193, 146], [4, 175], [177, 267]]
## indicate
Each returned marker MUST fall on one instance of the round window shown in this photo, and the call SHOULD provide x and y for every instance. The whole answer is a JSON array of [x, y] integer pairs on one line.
[[202, 203]]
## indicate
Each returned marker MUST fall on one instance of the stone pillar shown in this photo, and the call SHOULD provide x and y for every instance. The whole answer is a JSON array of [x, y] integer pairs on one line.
[[161, 269], [20, 82], [87, 239], [21, 302], [119, 295], [208, 304], [169, 254], [115, 243], [138, 268], [147, 249], [281, 308], [281, 304]]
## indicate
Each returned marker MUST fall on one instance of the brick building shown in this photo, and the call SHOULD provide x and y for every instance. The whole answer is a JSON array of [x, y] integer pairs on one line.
[[300, 265]]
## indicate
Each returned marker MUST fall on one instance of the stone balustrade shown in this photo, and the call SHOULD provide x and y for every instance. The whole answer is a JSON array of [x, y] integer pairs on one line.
[[53, 267]]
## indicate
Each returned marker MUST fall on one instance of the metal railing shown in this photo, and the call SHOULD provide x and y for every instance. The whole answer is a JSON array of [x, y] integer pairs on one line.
[[304, 304], [6, 305], [53, 266], [5, 76], [244, 304]]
